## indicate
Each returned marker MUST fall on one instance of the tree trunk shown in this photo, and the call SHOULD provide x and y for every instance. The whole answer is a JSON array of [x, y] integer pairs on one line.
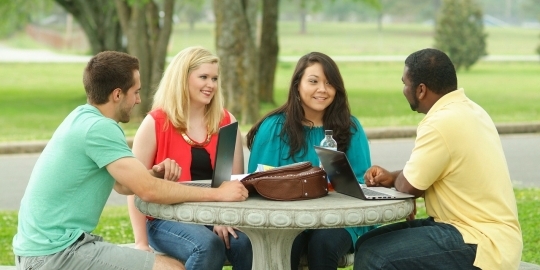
[[236, 47], [147, 40], [268, 50], [99, 21], [303, 17]]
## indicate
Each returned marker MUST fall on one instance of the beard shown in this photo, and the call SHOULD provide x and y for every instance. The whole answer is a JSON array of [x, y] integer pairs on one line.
[[124, 114], [414, 104]]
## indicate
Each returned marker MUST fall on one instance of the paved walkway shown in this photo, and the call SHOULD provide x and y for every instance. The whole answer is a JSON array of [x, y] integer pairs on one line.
[[12, 55]]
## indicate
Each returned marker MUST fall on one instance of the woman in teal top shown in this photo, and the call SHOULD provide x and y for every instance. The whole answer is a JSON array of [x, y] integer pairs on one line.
[[317, 101]]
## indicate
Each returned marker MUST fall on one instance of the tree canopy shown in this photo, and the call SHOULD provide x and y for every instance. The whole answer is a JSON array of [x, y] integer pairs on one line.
[[460, 32]]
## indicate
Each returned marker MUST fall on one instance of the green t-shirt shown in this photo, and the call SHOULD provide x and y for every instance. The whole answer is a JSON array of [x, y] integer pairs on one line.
[[69, 184]]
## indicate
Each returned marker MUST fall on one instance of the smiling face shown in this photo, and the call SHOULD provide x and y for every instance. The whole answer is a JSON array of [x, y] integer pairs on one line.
[[203, 83], [129, 99], [315, 92]]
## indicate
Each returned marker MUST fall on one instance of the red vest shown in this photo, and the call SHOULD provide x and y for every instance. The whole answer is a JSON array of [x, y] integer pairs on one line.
[[170, 143]]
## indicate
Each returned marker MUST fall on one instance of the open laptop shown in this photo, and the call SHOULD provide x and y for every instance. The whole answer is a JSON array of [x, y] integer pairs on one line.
[[224, 158], [344, 181]]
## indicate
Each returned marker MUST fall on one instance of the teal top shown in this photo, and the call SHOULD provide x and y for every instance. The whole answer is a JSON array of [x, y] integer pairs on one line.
[[269, 149], [69, 184]]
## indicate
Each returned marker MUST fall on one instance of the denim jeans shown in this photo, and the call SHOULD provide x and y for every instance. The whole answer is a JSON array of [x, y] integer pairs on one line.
[[323, 247], [417, 244], [198, 246]]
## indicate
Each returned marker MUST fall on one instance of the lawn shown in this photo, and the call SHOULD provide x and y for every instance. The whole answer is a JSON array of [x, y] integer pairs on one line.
[[115, 226], [35, 98], [348, 38]]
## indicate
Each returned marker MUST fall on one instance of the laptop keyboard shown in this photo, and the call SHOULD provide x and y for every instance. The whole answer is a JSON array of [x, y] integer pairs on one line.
[[373, 193], [195, 184]]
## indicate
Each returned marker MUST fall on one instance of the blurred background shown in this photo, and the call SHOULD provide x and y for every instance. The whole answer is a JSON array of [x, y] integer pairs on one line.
[[494, 44]]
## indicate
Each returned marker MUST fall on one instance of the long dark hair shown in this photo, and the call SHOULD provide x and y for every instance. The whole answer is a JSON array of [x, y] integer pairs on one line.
[[337, 116]]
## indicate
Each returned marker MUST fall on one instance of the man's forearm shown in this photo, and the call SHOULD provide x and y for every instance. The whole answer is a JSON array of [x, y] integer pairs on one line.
[[167, 192], [121, 189], [402, 184]]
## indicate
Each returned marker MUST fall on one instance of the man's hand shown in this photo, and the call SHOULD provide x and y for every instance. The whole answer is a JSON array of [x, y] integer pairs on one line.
[[412, 216], [377, 176], [168, 169], [231, 191], [223, 233]]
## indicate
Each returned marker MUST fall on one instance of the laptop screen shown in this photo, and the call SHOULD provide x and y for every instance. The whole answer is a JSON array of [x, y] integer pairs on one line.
[[224, 154]]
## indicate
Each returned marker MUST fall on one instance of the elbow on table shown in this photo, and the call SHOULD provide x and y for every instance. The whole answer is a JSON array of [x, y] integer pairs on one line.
[[148, 195]]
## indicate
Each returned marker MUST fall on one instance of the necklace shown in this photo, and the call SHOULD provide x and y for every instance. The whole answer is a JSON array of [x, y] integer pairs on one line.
[[194, 143]]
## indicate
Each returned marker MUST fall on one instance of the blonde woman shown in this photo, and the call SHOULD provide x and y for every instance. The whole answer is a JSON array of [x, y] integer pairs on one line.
[[182, 125]]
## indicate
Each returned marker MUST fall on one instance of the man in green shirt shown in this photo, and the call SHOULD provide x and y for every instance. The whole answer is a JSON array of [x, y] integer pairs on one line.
[[85, 159]]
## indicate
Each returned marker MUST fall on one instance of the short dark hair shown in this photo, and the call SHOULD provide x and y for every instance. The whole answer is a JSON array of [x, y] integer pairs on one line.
[[107, 71], [433, 68], [337, 115]]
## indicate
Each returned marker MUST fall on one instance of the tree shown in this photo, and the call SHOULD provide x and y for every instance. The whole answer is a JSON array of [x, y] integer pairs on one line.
[[268, 50], [459, 32], [99, 21], [236, 27], [16, 14], [191, 11], [148, 36], [538, 49]]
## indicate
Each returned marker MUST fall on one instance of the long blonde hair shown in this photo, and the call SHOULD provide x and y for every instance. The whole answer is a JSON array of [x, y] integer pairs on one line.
[[172, 95]]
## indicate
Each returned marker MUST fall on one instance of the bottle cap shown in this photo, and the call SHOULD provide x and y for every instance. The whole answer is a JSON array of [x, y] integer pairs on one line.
[[328, 132]]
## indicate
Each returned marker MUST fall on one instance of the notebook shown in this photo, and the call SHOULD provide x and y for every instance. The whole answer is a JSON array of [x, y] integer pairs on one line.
[[224, 158], [344, 181]]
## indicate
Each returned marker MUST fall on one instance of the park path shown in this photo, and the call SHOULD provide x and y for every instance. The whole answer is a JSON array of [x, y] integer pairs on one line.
[[522, 153], [14, 55]]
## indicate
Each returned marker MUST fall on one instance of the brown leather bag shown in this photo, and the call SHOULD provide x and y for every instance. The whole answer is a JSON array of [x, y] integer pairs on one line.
[[298, 181]]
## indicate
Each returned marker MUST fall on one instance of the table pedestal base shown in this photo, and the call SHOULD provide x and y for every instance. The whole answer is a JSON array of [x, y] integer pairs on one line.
[[271, 247]]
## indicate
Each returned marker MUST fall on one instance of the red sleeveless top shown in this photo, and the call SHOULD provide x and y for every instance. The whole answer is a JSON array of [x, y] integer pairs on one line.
[[171, 144]]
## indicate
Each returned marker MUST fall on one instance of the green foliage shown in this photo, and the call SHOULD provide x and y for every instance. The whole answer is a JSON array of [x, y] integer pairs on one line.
[[16, 14], [460, 32]]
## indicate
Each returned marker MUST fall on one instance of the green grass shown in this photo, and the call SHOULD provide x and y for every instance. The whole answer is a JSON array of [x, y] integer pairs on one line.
[[35, 98], [115, 226], [342, 38], [345, 38]]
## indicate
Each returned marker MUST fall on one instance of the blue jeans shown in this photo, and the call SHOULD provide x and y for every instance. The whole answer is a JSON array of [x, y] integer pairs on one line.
[[417, 244], [198, 246], [323, 247]]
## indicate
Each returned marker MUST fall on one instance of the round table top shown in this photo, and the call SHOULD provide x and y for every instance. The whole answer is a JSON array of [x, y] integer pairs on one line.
[[332, 211]]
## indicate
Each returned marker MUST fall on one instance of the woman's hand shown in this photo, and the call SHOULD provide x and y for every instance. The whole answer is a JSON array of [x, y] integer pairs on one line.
[[223, 233], [168, 169]]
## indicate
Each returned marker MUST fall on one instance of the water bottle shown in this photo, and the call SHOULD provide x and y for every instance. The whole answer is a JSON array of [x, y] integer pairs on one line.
[[329, 143]]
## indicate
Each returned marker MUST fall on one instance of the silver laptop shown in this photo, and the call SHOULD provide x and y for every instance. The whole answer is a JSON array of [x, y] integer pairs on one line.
[[224, 158], [344, 181]]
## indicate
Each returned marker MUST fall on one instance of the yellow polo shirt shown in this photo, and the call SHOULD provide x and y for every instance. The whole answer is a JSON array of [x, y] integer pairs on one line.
[[459, 161]]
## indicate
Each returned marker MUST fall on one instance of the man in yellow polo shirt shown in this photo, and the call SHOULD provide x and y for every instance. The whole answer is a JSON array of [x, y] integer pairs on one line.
[[458, 165]]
